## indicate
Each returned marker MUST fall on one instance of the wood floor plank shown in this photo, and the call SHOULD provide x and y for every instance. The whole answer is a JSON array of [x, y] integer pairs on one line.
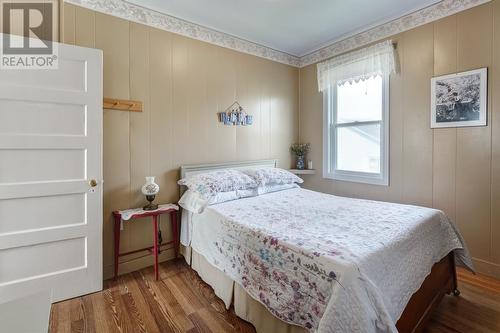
[[54, 318], [189, 303], [199, 323], [157, 308], [120, 315], [171, 310], [102, 314], [182, 302], [77, 315], [482, 281], [134, 315], [476, 310], [179, 316], [140, 304], [214, 322], [61, 312], [88, 315]]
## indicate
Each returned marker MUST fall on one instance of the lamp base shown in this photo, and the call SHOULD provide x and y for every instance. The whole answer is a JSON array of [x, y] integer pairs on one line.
[[150, 205]]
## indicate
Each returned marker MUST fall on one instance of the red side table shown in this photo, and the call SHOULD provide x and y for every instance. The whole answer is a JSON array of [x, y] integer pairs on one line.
[[125, 215]]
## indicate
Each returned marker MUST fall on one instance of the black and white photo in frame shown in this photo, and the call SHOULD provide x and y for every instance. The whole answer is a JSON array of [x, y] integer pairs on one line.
[[459, 100]]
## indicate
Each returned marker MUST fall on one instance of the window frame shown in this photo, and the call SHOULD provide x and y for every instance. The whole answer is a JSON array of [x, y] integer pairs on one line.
[[330, 127]]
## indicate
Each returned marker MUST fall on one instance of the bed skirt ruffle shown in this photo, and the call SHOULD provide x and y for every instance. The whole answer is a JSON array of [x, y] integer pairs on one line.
[[230, 292]]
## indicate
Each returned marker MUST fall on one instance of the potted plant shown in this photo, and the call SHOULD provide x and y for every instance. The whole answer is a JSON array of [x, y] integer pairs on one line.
[[300, 150]]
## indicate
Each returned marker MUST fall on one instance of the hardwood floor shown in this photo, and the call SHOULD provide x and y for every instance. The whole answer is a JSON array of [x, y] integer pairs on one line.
[[182, 302]]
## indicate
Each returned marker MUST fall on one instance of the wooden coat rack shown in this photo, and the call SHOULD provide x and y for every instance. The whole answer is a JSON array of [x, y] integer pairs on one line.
[[122, 105]]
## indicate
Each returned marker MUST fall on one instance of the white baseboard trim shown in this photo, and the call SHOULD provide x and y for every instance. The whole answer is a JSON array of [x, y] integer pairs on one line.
[[487, 268]]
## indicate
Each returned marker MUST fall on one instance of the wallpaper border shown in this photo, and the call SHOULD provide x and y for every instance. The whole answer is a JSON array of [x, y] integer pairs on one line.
[[404, 23], [135, 13]]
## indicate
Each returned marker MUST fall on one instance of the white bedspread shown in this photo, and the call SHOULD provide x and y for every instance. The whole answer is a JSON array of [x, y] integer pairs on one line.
[[327, 263]]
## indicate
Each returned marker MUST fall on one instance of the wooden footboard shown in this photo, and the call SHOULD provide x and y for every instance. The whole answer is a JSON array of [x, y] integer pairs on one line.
[[442, 280]]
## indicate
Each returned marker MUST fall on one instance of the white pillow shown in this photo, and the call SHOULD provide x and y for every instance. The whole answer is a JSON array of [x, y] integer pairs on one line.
[[275, 188], [251, 192], [208, 184], [194, 202], [223, 197], [272, 176]]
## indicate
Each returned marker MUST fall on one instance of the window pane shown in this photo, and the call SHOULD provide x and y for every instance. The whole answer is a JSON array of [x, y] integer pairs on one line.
[[358, 148], [360, 101]]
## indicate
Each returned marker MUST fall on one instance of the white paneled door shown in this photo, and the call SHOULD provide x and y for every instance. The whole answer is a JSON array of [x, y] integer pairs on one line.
[[51, 177]]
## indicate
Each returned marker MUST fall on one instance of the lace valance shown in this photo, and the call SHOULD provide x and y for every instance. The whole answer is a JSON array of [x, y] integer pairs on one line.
[[378, 59]]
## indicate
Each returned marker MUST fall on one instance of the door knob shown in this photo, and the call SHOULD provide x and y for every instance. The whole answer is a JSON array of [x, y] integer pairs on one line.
[[93, 183]]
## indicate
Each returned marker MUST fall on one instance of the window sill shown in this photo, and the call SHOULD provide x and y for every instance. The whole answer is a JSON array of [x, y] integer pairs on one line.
[[303, 171], [357, 178]]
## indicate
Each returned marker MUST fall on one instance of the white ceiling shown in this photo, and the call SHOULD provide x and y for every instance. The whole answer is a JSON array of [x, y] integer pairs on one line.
[[297, 27]]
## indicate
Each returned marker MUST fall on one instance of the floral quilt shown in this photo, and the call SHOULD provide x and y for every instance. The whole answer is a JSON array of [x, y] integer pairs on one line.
[[327, 263]]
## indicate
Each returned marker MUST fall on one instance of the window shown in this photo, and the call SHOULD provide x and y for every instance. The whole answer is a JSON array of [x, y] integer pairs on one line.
[[355, 89], [356, 133]]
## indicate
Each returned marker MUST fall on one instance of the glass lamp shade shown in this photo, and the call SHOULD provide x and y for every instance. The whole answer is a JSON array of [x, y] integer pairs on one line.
[[150, 188]]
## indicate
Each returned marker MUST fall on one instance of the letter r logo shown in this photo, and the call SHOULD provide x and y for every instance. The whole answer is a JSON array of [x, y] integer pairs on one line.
[[31, 20]]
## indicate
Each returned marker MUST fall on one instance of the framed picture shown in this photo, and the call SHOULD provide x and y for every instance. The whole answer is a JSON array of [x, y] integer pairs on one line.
[[459, 100]]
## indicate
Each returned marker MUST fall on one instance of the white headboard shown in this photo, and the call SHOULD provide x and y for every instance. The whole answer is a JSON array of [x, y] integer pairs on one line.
[[189, 170]]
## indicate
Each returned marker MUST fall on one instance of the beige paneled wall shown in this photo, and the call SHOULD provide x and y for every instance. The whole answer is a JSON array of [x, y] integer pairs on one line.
[[183, 84], [456, 170]]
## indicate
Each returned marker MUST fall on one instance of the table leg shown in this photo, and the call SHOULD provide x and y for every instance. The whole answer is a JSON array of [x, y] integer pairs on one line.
[[175, 234], [155, 248], [118, 221]]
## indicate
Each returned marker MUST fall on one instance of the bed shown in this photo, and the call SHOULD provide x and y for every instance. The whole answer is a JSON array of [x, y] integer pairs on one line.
[[298, 260]]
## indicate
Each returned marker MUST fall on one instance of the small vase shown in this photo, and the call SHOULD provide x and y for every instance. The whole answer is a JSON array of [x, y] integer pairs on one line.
[[300, 162], [150, 190]]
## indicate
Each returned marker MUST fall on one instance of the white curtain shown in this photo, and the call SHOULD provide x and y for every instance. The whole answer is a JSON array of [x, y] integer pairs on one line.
[[378, 59]]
